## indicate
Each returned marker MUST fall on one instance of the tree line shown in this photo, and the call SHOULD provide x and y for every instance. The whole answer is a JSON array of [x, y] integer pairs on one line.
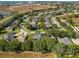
[[43, 45]]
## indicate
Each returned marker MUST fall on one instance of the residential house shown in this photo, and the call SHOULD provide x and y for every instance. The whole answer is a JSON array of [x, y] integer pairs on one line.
[[35, 19], [75, 41], [64, 40], [47, 25], [37, 36], [22, 35], [33, 24], [9, 36], [47, 22]]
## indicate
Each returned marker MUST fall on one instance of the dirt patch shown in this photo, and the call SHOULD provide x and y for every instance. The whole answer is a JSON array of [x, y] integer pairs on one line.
[[25, 8], [26, 54]]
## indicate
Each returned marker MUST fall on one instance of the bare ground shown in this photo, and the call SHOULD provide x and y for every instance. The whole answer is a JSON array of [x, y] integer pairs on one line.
[[26, 54]]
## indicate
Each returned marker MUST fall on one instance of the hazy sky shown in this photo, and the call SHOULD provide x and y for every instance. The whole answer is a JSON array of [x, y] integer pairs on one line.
[[39, 0]]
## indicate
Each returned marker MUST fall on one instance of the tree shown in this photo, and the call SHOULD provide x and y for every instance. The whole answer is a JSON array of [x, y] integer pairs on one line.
[[37, 46], [27, 44], [72, 49], [43, 45], [60, 49], [3, 44], [71, 34], [40, 25], [14, 45]]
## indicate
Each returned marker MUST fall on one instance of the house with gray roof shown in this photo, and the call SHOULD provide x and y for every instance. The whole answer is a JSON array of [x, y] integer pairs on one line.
[[33, 24], [64, 40], [9, 36], [47, 25], [35, 19], [47, 22], [37, 36]]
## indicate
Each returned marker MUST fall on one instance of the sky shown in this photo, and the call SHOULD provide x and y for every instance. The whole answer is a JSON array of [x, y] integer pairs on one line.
[[39, 0]]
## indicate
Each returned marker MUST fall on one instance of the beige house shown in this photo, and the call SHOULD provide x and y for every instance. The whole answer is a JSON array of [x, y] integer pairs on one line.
[[22, 35], [75, 41]]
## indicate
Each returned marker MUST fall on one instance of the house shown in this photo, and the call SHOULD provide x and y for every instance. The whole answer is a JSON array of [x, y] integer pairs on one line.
[[37, 36], [35, 19], [8, 29], [43, 32], [47, 22], [33, 25], [46, 19], [64, 40], [47, 25], [75, 41], [9, 36], [25, 16], [22, 35], [14, 23]]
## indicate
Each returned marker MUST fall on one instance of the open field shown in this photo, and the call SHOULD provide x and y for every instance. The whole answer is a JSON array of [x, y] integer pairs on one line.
[[25, 8], [73, 17], [26, 54]]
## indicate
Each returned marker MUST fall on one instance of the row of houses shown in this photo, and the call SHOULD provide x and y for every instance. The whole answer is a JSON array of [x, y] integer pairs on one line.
[[37, 36], [46, 21], [11, 35], [64, 40], [68, 41]]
